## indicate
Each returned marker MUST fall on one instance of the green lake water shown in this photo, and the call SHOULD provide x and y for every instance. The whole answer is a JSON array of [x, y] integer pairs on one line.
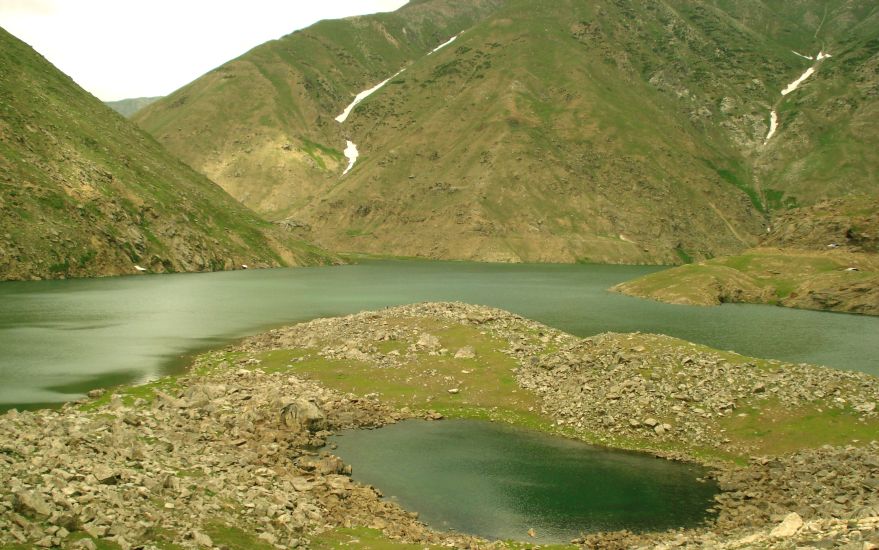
[[59, 339], [498, 482]]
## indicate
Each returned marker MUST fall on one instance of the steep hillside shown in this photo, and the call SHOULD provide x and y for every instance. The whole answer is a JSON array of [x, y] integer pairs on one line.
[[563, 131], [262, 125], [850, 223], [127, 107], [84, 192]]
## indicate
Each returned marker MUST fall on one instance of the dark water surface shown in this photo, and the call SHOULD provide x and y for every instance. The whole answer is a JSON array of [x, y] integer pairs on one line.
[[60, 338], [497, 481]]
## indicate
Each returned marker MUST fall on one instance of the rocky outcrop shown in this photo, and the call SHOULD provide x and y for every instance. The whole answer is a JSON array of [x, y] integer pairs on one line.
[[850, 223], [233, 447], [860, 296]]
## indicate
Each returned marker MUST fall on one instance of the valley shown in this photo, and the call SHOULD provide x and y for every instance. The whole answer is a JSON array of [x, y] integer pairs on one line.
[[501, 219]]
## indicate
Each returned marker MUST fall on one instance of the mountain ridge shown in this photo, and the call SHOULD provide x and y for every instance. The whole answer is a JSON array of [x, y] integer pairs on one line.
[[577, 131]]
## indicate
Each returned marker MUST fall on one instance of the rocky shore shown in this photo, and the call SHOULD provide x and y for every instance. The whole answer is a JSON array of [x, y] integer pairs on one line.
[[234, 448]]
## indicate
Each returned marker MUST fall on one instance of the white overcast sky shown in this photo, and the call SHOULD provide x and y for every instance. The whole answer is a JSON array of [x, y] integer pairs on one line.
[[118, 49]]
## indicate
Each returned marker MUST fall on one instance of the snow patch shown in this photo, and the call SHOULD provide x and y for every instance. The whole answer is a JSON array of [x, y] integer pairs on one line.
[[809, 57], [773, 116], [351, 154], [773, 125], [444, 44], [363, 95], [796, 83]]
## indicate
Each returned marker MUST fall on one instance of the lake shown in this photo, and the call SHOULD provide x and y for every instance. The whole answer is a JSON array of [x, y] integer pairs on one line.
[[58, 339], [499, 482]]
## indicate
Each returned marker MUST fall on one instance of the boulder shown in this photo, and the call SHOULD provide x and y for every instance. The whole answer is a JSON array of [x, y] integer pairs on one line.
[[788, 527], [30, 504], [467, 352], [105, 475], [305, 414], [428, 341]]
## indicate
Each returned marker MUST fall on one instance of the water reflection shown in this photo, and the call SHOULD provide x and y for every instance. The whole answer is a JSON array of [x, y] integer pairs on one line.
[[498, 482]]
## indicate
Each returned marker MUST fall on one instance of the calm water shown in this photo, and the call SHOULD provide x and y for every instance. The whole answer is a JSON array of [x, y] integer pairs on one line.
[[60, 338], [497, 481]]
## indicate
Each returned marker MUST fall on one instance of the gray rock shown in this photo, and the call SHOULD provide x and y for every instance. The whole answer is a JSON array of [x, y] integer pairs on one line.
[[429, 341], [788, 527], [305, 414]]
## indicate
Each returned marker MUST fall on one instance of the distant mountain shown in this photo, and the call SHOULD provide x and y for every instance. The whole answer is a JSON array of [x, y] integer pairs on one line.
[[84, 192], [127, 107], [572, 130]]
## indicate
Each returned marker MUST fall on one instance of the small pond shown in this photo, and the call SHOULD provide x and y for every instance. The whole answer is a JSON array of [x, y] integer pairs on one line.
[[498, 481]]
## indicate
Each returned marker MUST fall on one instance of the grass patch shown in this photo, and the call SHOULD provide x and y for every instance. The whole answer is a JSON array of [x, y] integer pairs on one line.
[[771, 428], [372, 539], [682, 254], [361, 537], [317, 152], [130, 394], [760, 276], [233, 538], [486, 384]]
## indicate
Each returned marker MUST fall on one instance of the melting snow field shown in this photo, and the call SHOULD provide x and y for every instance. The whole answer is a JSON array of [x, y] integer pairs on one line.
[[351, 149], [773, 116], [363, 95], [796, 83], [444, 44], [352, 154]]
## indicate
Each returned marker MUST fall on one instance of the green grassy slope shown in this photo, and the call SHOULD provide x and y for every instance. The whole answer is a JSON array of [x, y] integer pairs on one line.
[[262, 125], [562, 131], [84, 192]]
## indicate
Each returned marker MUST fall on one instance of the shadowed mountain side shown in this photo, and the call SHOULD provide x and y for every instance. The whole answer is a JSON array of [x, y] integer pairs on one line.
[[83, 192]]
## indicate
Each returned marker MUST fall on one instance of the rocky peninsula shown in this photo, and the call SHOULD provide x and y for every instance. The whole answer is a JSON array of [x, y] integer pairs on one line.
[[232, 453]]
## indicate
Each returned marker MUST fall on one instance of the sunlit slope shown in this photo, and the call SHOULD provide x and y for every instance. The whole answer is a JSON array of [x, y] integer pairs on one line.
[[548, 131], [84, 192], [262, 125]]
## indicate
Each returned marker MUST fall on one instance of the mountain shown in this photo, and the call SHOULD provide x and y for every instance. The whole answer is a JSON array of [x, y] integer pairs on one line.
[[573, 130], [84, 192], [127, 107]]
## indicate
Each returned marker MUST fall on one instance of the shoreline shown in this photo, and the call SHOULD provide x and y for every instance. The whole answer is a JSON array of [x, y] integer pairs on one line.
[[832, 281], [258, 408]]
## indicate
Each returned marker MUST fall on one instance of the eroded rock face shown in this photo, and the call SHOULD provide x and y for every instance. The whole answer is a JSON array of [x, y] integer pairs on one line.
[[242, 446]]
